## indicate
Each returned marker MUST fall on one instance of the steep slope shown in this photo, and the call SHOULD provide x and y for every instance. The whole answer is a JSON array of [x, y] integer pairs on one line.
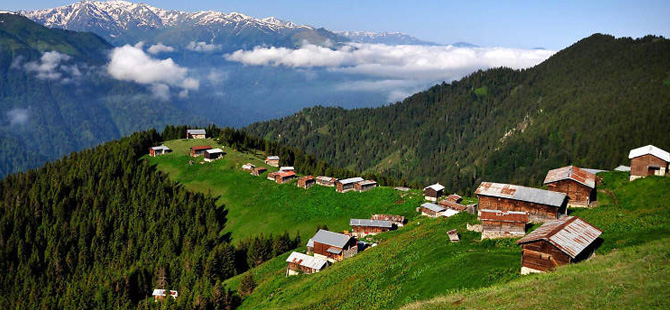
[[417, 263], [123, 22], [56, 98], [586, 105]]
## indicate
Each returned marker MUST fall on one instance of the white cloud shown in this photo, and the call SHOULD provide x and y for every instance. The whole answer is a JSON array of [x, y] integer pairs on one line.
[[159, 48], [403, 61], [131, 63], [49, 64], [17, 116], [203, 47]]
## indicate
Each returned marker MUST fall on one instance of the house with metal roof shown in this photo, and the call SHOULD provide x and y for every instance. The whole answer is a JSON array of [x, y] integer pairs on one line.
[[343, 186], [159, 150], [397, 220], [248, 167], [195, 133], [326, 181], [363, 227], [306, 182], [282, 176], [560, 242], [434, 210], [648, 160], [433, 192], [213, 154], [577, 183], [298, 263], [332, 246], [503, 224], [541, 205], [365, 185], [272, 161], [199, 150]]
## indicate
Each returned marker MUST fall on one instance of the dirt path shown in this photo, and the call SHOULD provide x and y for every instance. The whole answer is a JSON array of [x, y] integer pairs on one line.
[[611, 194]]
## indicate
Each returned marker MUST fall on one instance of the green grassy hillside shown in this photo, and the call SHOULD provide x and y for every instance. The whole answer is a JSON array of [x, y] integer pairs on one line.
[[416, 263], [256, 205]]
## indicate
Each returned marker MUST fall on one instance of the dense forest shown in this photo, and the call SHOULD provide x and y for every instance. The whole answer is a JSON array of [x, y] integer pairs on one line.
[[102, 228], [587, 105]]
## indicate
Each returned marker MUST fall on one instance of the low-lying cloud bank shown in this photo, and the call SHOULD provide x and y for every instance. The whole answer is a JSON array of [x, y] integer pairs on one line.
[[52, 65], [395, 62], [131, 63]]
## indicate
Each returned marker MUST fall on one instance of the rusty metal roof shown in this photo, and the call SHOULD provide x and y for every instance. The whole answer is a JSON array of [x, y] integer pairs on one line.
[[455, 197], [370, 223], [388, 217], [284, 174], [571, 173], [306, 178], [649, 150], [521, 193], [306, 261], [452, 205], [500, 216], [201, 147], [569, 234]]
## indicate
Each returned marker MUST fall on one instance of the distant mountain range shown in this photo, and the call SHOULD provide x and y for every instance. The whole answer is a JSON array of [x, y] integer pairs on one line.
[[389, 38]]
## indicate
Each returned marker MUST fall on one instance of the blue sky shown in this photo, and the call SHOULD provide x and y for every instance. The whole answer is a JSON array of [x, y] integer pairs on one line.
[[522, 24]]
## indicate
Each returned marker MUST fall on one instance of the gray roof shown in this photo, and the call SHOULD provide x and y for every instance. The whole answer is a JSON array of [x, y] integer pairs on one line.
[[649, 150], [521, 193], [351, 180], [570, 234], [370, 223], [433, 207], [161, 147], [622, 168], [273, 158], [307, 261], [368, 182], [214, 151], [330, 238], [593, 170], [334, 250], [437, 187], [196, 131]]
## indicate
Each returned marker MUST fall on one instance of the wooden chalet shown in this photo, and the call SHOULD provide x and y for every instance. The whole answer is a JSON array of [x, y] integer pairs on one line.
[[258, 171], [648, 160], [363, 227], [213, 154], [326, 181], [503, 224], [365, 186], [556, 243], [248, 167], [579, 184], [454, 198], [434, 210], [272, 161], [449, 204], [298, 263], [541, 205], [343, 186], [159, 150], [160, 294], [306, 182], [433, 192], [332, 246], [397, 220], [199, 150], [195, 133], [283, 176]]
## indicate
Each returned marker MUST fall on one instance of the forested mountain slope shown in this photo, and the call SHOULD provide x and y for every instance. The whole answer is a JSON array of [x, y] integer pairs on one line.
[[587, 105], [56, 97]]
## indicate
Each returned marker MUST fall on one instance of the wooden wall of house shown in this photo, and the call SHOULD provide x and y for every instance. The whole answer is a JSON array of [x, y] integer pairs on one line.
[[536, 212], [303, 269], [428, 212], [430, 192], [639, 166], [578, 193], [542, 255], [498, 229], [361, 231]]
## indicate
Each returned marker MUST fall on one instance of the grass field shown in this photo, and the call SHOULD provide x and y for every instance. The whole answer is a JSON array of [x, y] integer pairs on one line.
[[416, 266], [256, 205]]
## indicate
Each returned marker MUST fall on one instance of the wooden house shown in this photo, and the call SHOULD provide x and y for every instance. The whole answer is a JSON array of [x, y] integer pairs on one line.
[[306, 182], [648, 160], [213, 154], [503, 224], [272, 175], [159, 150], [433, 192], [556, 243], [343, 186], [326, 181], [284, 176], [195, 133], [541, 205], [397, 220], [272, 161], [199, 150], [258, 171], [248, 167], [449, 204], [332, 246], [160, 294], [454, 198], [298, 263], [577, 183], [365, 186], [363, 227], [434, 210]]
